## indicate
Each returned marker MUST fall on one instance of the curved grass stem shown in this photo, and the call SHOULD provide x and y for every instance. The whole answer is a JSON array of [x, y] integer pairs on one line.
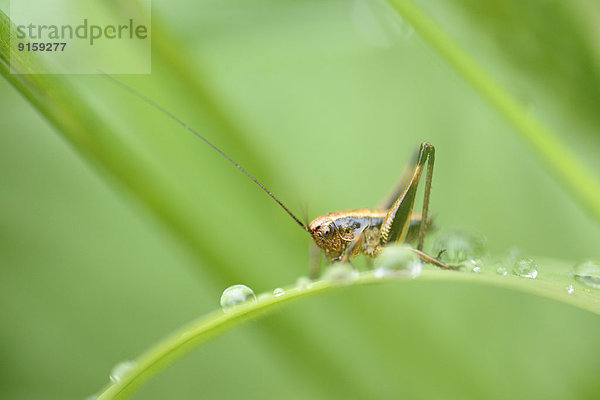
[[202, 330]]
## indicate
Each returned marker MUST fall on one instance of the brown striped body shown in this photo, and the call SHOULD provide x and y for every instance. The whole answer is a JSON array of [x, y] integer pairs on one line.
[[334, 232]]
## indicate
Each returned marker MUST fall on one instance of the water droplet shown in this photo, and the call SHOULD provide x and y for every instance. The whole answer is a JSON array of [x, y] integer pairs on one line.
[[340, 273], [378, 23], [588, 273], [236, 295], [92, 397], [501, 271], [278, 292], [397, 260], [525, 268], [303, 283], [122, 368], [570, 289], [471, 266], [458, 247]]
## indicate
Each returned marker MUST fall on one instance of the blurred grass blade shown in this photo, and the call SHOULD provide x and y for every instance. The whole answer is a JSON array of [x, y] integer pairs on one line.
[[194, 83], [551, 284], [62, 105], [570, 172]]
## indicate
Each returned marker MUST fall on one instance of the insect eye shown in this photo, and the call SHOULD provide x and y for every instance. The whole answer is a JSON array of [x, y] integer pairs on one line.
[[327, 230]]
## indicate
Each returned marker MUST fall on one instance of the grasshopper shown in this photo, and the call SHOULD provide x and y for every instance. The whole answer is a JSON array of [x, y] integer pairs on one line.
[[344, 234]]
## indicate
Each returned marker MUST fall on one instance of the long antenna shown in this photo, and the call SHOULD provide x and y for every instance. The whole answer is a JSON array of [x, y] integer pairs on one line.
[[199, 136]]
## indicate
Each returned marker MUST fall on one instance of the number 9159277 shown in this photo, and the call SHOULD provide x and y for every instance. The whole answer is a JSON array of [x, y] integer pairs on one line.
[[41, 46]]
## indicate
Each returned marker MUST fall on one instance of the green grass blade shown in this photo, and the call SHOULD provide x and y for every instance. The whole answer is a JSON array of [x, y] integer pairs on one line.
[[570, 172], [551, 283], [62, 105]]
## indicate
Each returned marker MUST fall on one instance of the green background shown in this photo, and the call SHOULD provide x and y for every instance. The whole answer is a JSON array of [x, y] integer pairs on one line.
[[323, 101]]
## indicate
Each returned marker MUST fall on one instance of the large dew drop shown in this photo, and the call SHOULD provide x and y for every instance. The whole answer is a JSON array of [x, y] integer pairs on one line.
[[456, 248], [117, 373], [525, 268], [588, 273], [397, 260], [236, 295]]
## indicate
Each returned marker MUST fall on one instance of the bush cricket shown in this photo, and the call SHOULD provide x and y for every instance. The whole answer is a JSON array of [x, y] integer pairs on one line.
[[345, 234]]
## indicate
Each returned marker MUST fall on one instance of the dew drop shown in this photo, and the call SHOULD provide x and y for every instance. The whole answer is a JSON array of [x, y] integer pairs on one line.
[[235, 295], [303, 283], [569, 289], [588, 273], [340, 273], [525, 268], [501, 271], [278, 292], [122, 368], [472, 266], [92, 397], [397, 260], [458, 247]]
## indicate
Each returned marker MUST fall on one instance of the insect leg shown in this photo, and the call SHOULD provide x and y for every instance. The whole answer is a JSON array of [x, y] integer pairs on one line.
[[414, 226], [395, 225], [434, 261], [354, 247], [314, 255], [398, 219], [416, 220], [428, 178]]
